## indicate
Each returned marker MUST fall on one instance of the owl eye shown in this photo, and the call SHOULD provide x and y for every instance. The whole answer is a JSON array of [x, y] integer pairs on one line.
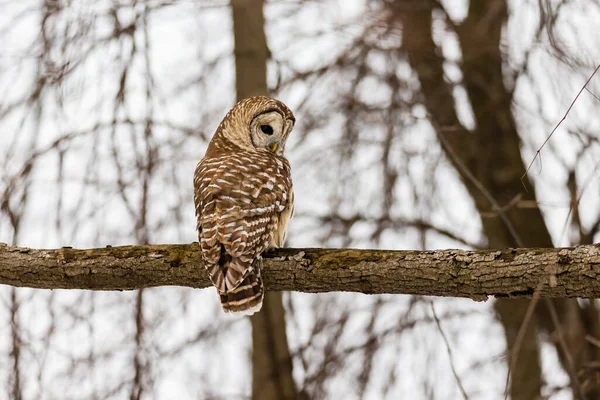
[[266, 129]]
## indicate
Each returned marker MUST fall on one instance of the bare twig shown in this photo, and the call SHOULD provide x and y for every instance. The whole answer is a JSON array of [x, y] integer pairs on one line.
[[473, 179], [570, 364], [538, 151], [449, 350]]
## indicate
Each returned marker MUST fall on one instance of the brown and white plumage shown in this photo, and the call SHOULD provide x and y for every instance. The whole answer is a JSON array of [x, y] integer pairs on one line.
[[244, 198]]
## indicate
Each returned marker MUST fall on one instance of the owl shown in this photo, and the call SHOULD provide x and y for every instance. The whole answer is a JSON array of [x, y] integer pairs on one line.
[[244, 199]]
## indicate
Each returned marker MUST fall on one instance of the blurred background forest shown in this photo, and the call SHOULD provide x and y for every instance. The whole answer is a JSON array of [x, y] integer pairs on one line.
[[415, 123]]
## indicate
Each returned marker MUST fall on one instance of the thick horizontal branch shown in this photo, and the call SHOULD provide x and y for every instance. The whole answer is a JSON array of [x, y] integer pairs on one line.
[[568, 272]]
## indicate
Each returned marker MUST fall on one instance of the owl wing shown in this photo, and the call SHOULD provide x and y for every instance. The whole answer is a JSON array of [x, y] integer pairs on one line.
[[283, 219], [239, 204]]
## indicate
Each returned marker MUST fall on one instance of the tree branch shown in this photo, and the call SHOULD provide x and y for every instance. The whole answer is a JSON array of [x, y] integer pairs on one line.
[[567, 272]]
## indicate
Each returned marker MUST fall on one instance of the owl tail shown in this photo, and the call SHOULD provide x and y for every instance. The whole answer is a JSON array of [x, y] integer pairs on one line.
[[246, 298]]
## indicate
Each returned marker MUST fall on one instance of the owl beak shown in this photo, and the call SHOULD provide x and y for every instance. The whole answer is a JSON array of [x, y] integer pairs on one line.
[[274, 147]]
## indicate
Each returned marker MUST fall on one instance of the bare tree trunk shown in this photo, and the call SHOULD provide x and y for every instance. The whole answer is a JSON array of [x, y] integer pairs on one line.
[[462, 151], [490, 164], [271, 360]]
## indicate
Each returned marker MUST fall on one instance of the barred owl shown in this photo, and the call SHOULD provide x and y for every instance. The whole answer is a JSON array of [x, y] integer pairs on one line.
[[244, 199]]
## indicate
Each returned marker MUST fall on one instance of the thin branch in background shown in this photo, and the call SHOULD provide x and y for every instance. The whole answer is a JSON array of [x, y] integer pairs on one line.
[[593, 340], [593, 231], [139, 366], [566, 351], [15, 380], [592, 93], [538, 151], [469, 175], [573, 213], [394, 223], [514, 352], [449, 350], [370, 349]]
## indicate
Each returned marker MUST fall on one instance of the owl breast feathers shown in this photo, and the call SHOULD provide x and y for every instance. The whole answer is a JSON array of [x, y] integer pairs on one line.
[[244, 199]]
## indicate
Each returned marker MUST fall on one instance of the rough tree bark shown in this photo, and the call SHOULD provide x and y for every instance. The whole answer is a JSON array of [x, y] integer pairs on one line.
[[516, 273], [490, 157], [271, 360]]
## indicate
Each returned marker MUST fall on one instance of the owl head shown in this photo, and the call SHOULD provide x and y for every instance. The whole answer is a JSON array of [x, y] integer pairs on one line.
[[258, 123]]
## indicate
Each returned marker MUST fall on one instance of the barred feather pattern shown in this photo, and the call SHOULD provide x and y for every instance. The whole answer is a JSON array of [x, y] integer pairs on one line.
[[244, 200]]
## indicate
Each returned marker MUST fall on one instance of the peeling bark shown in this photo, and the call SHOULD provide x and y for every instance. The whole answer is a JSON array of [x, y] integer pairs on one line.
[[515, 273]]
